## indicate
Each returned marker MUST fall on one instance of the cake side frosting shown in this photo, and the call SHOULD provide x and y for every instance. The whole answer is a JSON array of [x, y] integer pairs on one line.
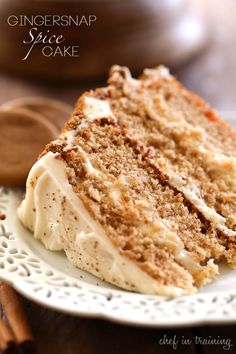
[[59, 219]]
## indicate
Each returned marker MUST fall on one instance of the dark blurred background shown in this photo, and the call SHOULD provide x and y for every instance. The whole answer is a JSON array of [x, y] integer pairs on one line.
[[196, 38]]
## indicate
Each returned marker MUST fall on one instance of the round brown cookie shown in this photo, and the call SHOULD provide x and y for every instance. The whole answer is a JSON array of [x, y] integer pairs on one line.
[[55, 111], [23, 135]]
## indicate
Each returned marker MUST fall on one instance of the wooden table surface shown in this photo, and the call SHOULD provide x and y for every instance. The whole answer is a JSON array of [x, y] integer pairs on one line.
[[212, 74]]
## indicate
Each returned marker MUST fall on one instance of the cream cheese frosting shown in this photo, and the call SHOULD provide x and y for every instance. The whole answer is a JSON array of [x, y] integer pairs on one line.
[[94, 109]]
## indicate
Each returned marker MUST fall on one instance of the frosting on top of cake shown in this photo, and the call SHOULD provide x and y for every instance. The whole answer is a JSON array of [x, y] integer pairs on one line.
[[93, 109]]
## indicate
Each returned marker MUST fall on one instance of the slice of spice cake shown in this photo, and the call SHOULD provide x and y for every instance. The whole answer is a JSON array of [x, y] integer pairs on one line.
[[118, 192]]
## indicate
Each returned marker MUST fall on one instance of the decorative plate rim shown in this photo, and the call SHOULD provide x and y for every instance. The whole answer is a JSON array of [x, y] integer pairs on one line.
[[41, 282]]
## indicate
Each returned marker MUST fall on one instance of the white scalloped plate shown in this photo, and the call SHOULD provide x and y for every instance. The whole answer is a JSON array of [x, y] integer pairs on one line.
[[49, 279]]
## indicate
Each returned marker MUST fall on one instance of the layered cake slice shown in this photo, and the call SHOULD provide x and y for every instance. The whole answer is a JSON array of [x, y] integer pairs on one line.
[[132, 189]]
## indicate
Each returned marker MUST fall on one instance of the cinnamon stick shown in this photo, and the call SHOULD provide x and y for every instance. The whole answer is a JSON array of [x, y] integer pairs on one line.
[[15, 315], [6, 337]]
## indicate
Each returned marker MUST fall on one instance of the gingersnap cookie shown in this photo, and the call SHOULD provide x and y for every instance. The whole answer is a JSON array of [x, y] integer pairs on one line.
[[23, 134], [55, 111]]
